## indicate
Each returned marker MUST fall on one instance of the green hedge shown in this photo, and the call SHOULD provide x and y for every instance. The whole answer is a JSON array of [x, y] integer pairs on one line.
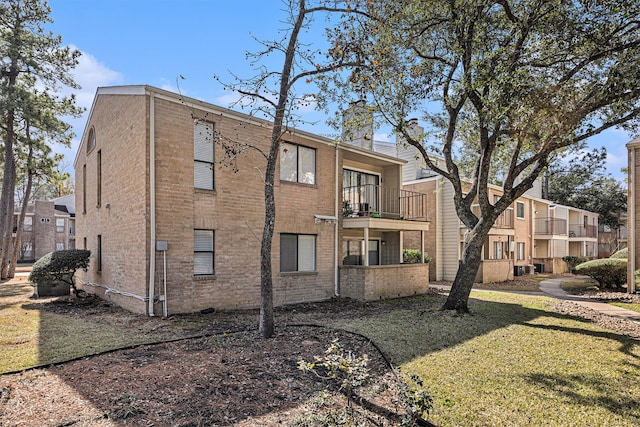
[[59, 266], [608, 272], [622, 254], [412, 256]]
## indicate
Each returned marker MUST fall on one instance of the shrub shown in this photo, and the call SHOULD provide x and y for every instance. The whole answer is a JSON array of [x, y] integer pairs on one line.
[[622, 254], [608, 272], [573, 261], [59, 266], [412, 256]]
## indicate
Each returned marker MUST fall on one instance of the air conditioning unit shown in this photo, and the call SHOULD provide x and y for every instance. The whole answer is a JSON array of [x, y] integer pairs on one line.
[[529, 269]]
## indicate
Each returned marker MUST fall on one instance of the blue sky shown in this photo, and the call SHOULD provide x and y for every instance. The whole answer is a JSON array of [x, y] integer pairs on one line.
[[154, 41]]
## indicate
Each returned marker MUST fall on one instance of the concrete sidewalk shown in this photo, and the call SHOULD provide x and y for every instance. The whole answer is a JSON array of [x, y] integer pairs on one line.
[[552, 288]]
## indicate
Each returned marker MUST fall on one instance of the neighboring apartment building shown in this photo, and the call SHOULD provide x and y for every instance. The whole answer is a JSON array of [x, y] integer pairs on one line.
[[172, 229], [49, 225], [533, 235], [611, 240]]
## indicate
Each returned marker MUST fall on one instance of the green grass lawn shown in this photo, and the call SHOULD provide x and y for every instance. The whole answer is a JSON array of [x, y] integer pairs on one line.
[[514, 362], [627, 305]]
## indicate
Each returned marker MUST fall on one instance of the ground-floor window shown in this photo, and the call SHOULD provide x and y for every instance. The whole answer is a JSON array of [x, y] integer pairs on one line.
[[99, 253], [27, 250], [297, 252], [520, 251], [59, 246], [203, 252]]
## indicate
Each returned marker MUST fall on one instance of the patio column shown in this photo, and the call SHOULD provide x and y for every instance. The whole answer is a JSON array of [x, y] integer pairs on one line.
[[633, 207], [365, 257]]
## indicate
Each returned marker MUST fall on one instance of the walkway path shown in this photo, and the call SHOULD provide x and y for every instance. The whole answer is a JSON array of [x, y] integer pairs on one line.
[[552, 288]]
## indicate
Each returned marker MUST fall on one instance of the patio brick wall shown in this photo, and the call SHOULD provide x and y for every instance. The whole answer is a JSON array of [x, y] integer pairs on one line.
[[383, 282]]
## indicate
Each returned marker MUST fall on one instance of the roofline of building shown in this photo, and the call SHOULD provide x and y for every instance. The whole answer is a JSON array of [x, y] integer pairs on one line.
[[497, 187], [146, 90]]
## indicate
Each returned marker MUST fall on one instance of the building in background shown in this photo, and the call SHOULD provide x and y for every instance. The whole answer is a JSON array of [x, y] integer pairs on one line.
[[49, 225]]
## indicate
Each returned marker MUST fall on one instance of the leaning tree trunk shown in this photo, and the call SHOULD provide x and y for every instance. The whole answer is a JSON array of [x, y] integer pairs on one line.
[[467, 270]]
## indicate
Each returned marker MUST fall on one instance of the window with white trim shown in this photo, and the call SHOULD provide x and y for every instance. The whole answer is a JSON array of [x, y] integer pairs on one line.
[[99, 179], [59, 246], [91, 139], [203, 252], [99, 257], [520, 251], [203, 158], [297, 163], [28, 223], [520, 210], [59, 225], [297, 252]]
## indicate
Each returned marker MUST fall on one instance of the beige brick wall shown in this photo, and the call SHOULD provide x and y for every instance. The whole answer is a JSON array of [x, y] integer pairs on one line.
[[121, 129], [383, 282], [234, 210]]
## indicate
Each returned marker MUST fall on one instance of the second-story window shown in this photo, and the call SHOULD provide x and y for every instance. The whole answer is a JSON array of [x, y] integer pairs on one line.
[[520, 210], [84, 189], [297, 163], [59, 225], [99, 179], [203, 149], [28, 223]]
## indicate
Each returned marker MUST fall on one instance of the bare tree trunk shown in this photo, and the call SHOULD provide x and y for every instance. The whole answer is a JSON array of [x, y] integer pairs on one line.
[[467, 271], [7, 197], [18, 240], [267, 327]]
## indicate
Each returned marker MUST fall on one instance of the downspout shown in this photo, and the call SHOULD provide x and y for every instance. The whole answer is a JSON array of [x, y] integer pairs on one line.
[[336, 278], [152, 202]]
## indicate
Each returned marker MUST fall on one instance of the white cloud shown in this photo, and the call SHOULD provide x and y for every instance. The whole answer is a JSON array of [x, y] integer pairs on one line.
[[91, 74]]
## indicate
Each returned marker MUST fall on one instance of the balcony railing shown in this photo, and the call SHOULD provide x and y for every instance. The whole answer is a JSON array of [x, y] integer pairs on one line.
[[382, 202], [579, 230], [504, 220], [556, 226]]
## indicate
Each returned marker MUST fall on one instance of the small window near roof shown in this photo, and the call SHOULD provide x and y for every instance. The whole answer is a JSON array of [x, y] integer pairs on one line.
[[91, 140]]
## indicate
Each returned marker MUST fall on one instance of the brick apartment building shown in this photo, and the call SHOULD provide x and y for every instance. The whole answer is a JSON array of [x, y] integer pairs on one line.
[[49, 225], [172, 229]]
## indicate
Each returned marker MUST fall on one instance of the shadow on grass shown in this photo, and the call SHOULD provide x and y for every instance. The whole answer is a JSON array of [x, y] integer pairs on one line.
[[589, 391], [417, 327]]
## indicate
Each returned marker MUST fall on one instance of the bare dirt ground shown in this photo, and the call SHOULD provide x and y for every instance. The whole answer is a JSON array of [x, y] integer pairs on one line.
[[219, 379]]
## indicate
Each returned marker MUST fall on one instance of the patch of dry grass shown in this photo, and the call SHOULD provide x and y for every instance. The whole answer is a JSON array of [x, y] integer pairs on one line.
[[577, 286]]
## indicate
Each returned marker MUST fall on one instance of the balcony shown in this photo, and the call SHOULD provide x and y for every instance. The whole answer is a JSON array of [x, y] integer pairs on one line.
[[551, 226], [376, 201], [504, 220], [580, 230]]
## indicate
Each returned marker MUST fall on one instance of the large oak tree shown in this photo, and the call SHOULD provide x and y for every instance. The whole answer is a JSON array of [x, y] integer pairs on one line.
[[519, 80]]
